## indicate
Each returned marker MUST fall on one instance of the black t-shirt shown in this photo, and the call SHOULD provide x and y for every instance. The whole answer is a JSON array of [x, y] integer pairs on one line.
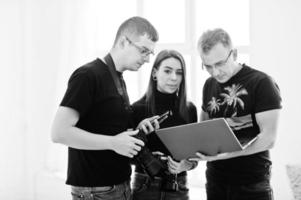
[[92, 92], [238, 100], [163, 103]]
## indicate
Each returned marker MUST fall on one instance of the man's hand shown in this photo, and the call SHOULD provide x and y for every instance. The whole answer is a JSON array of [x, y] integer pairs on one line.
[[202, 157], [149, 125], [160, 155], [127, 145]]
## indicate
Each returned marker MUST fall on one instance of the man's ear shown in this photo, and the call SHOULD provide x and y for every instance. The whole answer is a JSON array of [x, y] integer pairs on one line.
[[122, 41]]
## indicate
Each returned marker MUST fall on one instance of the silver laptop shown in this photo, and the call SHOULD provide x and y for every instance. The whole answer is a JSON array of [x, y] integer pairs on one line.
[[209, 137]]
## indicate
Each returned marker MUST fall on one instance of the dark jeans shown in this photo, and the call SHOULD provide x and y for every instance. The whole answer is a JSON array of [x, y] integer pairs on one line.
[[145, 188], [256, 191], [114, 192]]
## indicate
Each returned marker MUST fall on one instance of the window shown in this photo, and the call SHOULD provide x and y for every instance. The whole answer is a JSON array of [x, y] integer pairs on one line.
[[168, 17]]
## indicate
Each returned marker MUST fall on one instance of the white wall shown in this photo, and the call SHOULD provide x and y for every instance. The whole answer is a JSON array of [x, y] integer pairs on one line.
[[275, 38], [29, 51], [29, 58], [12, 106]]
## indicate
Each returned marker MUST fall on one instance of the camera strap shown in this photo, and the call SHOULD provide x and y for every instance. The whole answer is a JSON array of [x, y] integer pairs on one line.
[[118, 81]]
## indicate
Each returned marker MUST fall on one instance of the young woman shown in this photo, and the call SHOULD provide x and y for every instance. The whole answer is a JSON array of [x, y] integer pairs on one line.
[[166, 92]]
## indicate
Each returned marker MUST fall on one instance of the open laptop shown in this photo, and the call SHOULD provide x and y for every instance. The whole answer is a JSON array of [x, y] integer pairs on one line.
[[209, 137]]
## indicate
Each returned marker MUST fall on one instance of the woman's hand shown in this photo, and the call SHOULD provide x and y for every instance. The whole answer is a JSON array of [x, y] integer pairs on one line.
[[175, 167]]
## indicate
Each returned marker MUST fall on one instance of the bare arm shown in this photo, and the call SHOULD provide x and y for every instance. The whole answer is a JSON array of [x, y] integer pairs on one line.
[[267, 122], [65, 132]]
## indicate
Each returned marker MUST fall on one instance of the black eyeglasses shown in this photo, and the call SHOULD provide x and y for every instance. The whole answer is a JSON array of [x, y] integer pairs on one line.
[[142, 50], [219, 64]]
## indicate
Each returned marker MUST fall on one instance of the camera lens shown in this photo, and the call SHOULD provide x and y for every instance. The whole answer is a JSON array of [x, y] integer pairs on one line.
[[152, 166]]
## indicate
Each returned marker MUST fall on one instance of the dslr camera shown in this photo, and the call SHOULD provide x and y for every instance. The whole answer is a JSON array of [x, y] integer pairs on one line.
[[152, 165]]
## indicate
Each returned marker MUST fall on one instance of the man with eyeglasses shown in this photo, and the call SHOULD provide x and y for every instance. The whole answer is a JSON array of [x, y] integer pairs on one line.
[[95, 114], [250, 101]]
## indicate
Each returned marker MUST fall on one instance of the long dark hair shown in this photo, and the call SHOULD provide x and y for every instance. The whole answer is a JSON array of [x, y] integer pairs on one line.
[[181, 101]]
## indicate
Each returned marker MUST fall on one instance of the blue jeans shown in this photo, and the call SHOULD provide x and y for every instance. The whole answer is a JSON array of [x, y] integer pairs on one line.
[[114, 192], [256, 191], [145, 188]]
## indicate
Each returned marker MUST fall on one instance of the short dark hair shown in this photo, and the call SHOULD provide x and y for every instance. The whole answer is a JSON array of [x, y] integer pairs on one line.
[[137, 26], [212, 37]]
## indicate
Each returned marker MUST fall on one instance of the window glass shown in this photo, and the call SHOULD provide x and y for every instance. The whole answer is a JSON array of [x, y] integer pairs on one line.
[[200, 77], [168, 17], [189, 72], [110, 14], [231, 15]]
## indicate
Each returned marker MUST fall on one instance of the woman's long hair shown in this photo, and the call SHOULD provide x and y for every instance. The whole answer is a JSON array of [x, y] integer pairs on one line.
[[181, 101]]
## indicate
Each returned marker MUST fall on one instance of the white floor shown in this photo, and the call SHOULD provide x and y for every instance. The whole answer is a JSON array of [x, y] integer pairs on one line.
[[197, 193]]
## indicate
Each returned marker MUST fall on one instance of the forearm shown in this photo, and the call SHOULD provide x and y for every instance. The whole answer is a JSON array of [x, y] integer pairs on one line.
[[64, 131], [81, 139], [263, 142], [267, 122]]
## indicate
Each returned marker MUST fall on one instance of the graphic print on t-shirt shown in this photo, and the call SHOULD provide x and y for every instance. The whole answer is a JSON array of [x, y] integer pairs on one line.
[[228, 102], [230, 98]]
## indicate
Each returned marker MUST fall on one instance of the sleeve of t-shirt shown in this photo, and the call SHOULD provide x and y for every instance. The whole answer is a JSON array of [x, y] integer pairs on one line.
[[79, 93], [139, 112], [267, 95], [204, 95]]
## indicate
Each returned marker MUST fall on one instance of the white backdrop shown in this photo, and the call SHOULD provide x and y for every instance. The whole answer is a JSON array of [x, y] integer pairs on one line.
[[41, 42]]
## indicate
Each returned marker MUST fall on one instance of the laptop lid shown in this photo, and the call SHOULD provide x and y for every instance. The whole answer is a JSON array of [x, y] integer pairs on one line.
[[208, 137]]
